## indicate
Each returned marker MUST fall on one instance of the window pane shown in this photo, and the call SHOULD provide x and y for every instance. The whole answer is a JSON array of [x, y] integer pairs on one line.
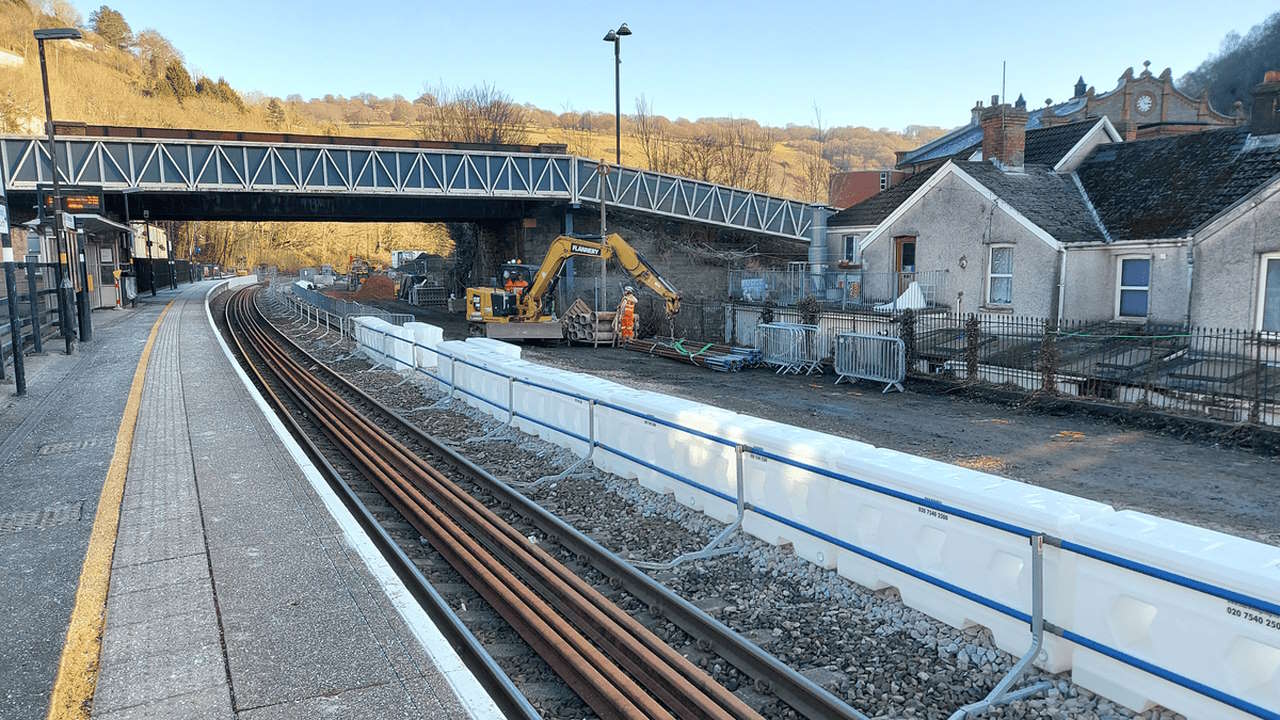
[[908, 256], [1135, 273], [1271, 297], [1001, 261], [1133, 303], [1001, 290]]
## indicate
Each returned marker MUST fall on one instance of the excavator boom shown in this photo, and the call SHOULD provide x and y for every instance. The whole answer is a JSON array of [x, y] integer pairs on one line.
[[611, 246]]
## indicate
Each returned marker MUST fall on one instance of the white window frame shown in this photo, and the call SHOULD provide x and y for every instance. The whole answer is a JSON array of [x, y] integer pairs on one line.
[[848, 252], [1263, 259], [991, 259], [1151, 267]]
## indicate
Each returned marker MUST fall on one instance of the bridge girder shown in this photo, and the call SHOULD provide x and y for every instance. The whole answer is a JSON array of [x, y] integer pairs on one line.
[[235, 169]]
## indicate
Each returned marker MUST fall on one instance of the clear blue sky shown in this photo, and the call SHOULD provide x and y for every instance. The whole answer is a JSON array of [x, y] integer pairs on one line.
[[879, 64]]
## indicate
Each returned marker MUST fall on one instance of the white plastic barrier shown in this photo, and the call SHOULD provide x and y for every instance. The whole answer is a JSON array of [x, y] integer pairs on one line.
[[955, 543], [796, 503], [427, 338], [1150, 607], [371, 337], [496, 346], [1157, 627], [399, 347]]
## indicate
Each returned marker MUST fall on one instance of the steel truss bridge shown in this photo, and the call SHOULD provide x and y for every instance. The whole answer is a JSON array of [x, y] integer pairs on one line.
[[212, 167]]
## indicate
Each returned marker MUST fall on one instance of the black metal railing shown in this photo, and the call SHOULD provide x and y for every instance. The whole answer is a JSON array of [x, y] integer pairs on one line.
[[1225, 374]]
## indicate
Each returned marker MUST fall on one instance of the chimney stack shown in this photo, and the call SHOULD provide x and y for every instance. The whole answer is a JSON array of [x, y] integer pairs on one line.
[[1004, 133], [975, 114], [1266, 105]]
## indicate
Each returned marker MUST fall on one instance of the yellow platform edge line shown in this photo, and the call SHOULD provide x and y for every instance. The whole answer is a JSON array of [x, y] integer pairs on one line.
[[72, 696]]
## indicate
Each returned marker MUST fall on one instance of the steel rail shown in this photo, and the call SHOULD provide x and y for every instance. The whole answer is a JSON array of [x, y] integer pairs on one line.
[[802, 694], [585, 669], [439, 509]]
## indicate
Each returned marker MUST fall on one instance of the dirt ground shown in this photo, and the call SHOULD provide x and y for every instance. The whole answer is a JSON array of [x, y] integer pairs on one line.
[[1231, 490]]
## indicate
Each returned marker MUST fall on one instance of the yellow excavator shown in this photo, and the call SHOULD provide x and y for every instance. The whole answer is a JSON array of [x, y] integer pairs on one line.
[[517, 311]]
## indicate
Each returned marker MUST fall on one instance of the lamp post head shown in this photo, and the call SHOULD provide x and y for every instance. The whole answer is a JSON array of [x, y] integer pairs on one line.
[[58, 34], [611, 36], [624, 30]]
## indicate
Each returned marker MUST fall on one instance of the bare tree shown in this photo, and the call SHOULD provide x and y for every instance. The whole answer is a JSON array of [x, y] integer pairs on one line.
[[816, 169], [478, 114], [745, 152], [575, 131], [652, 131]]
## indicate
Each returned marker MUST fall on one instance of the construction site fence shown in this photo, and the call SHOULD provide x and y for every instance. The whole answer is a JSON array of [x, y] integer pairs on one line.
[[878, 358], [835, 287]]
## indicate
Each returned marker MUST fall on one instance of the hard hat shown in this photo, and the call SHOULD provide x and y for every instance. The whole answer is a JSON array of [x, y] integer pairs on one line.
[[629, 289]]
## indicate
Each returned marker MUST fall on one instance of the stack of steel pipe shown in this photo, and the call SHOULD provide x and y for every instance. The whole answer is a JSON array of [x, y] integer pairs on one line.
[[715, 356], [582, 324]]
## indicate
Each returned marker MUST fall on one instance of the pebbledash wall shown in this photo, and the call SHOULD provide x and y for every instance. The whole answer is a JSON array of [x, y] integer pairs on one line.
[[1147, 610]]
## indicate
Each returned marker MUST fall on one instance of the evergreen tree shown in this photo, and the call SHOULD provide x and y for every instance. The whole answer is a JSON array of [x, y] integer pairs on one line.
[[275, 113], [178, 80], [111, 27]]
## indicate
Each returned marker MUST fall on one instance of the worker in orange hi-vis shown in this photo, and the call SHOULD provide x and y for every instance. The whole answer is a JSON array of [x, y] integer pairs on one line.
[[627, 319]]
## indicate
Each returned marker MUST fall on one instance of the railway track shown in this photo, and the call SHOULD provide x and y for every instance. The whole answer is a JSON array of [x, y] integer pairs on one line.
[[616, 666]]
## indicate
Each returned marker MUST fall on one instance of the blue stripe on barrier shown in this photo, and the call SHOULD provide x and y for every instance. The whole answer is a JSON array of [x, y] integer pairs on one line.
[[1171, 577], [1175, 678], [548, 388], [668, 423], [549, 426], [481, 398], [943, 507], [920, 575], [674, 475]]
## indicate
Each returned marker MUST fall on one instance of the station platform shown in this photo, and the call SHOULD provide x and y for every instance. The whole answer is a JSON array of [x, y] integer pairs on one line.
[[232, 585]]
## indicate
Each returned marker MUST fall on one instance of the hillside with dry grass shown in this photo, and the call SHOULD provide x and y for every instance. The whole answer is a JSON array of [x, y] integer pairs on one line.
[[117, 76]]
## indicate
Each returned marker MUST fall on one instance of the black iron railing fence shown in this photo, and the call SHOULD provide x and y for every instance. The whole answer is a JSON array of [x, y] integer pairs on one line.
[[1221, 373]]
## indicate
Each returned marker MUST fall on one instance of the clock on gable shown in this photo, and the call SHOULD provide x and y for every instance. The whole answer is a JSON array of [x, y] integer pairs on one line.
[[1145, 102]]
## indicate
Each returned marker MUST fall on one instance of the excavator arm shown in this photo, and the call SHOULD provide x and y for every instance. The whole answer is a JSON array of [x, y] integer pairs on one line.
[[565, 247], [642, 272]]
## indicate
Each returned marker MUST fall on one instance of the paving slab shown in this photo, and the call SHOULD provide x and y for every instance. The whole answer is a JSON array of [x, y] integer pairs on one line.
[[55, 446]]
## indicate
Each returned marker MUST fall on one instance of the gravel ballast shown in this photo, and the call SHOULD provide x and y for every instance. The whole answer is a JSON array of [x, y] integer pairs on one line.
[[867, 647]]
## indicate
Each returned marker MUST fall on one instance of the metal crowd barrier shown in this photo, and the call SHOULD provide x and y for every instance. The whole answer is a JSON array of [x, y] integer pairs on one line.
[[791, 347], [321, 311], [1006, 690], [879, 358]]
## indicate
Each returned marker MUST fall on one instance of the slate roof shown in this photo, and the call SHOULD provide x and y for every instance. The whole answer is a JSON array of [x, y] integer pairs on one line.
[[878, 207], [1169, 187], [968, 136], [1044, 146], [1050, 200]]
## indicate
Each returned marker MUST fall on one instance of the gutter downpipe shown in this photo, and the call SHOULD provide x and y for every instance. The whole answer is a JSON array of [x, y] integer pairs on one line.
[[1062, 284], [818, 247], [1191, 277]]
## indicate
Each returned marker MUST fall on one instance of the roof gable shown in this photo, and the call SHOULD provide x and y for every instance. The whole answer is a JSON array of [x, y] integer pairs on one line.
[[1054, 209]]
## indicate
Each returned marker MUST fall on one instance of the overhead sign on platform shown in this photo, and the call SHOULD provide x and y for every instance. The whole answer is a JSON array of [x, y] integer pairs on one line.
[[74, 200]]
